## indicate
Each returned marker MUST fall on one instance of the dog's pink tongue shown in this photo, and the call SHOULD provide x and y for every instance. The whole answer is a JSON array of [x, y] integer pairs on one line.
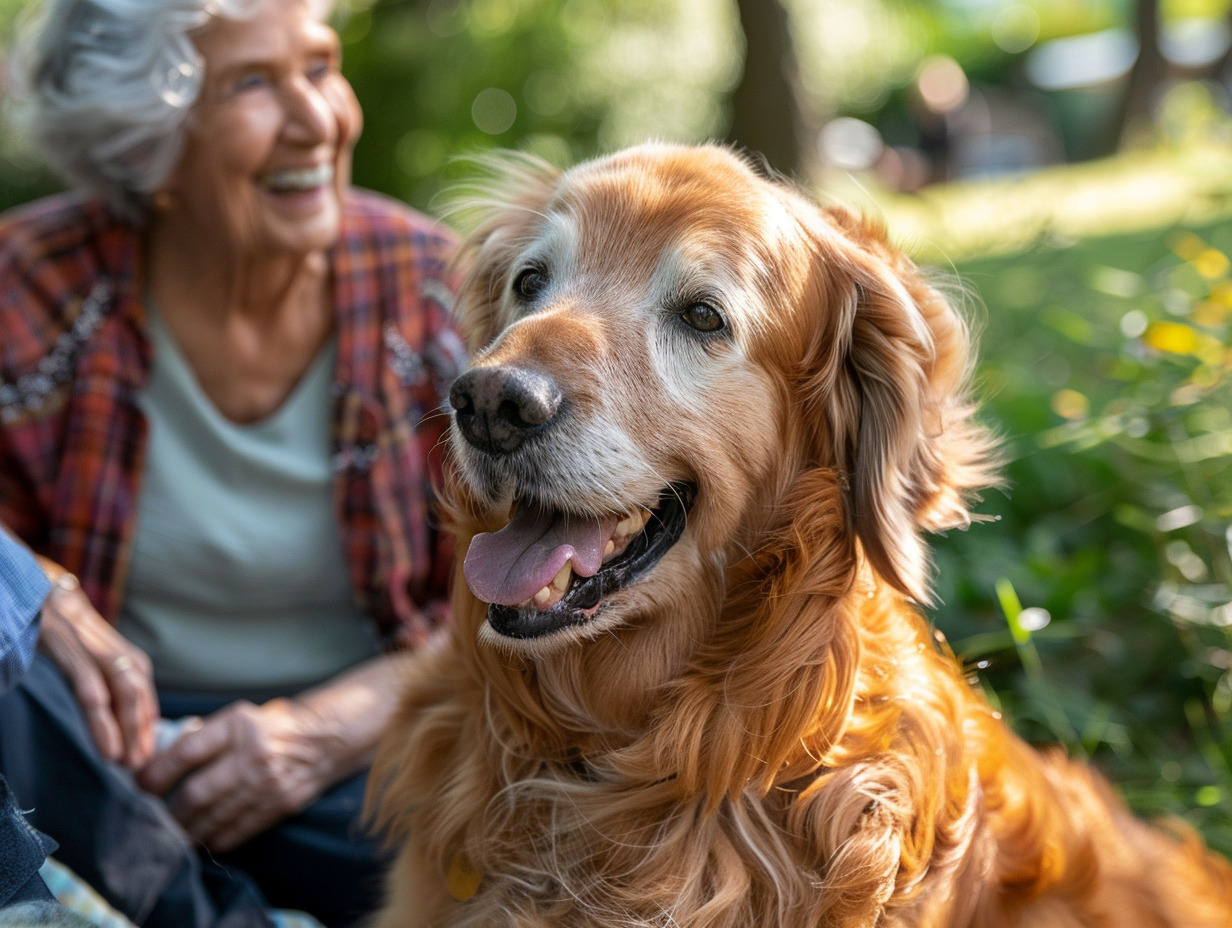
[[510, 566]]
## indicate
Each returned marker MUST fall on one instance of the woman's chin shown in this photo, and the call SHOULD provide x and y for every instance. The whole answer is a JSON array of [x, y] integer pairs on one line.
[[302, 222]]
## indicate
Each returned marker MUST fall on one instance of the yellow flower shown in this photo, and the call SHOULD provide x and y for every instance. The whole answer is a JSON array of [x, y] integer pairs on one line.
[[1188, 246], [1173, 337], [1070, 404], [1211, 263]]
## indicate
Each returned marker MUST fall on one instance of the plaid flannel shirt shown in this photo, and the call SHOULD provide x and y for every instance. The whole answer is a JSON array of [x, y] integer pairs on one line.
[[74, 353]]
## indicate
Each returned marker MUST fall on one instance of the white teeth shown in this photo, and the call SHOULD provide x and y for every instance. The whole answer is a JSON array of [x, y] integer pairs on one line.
[[626, 528], [299, 178], [551, 594], [632, 524]]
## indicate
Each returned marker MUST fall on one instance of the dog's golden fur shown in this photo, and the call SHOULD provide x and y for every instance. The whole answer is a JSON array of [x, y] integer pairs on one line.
[[763, 731]]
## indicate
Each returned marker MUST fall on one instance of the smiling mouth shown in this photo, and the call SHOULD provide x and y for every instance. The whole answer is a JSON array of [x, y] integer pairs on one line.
[[548, 570], [298, 180]]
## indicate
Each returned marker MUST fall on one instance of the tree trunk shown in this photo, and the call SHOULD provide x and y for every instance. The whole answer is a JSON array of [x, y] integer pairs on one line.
[[766, 115], [1147, 74]]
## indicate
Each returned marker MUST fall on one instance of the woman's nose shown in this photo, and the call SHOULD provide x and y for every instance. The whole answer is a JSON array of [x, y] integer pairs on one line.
[[310, 118]]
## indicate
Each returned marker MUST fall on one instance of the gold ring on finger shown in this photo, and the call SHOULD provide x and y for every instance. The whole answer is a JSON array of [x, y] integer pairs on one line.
[[122, 664]]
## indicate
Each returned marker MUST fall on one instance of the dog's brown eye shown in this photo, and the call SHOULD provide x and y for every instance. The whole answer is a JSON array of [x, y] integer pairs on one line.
[[703, 317], [529, 283]]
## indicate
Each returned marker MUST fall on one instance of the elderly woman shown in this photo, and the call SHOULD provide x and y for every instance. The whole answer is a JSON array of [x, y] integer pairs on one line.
[[217, 378]]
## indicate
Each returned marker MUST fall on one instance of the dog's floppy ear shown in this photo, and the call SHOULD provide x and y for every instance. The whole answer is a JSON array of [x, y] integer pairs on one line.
[[499, 211], [888, 368]]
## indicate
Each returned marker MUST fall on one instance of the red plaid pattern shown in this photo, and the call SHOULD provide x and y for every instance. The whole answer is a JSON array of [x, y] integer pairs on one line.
[[74, 354]]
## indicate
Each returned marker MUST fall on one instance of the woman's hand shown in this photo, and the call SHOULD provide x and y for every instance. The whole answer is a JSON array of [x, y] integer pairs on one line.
[[247, 767], [111, 677], [241, 770]]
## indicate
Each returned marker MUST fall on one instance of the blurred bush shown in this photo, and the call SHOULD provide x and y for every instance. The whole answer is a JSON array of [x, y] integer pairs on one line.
[[563, 79], [1098, 610], [904, 92]]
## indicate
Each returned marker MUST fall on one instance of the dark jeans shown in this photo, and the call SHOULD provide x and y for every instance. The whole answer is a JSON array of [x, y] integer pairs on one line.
[[125, 844], [25, 901], [22, 852]]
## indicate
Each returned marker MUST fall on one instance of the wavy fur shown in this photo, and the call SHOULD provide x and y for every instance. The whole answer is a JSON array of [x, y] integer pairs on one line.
[[763, 731]]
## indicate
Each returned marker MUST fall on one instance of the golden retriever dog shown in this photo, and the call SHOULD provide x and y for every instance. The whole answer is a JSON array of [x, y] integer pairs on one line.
[[688, 685]]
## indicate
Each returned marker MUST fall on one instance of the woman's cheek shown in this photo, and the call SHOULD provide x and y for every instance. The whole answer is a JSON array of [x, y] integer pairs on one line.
[[346, 107]]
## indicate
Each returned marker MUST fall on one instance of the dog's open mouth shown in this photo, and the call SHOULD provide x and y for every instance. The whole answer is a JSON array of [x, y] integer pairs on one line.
[[548, 570]]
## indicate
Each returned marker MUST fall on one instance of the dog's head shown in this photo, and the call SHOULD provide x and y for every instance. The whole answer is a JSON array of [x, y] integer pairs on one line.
[[664, 344]]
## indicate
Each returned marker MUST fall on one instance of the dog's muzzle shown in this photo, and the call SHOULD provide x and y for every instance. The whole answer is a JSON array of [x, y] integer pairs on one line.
[[549, 569]]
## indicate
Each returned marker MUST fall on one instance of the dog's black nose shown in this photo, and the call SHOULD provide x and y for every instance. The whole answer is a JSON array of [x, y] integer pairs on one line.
[[497, 408]]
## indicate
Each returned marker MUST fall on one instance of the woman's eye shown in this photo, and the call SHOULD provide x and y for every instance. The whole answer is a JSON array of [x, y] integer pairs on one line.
[[703, 317], [529, 283], [319, 70], [248, 82]]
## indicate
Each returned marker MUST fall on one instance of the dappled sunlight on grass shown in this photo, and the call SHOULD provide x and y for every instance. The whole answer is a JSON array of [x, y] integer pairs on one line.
[[1131, 192]]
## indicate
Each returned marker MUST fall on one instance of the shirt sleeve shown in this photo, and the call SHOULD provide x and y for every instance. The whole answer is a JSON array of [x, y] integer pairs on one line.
[[23, 587]]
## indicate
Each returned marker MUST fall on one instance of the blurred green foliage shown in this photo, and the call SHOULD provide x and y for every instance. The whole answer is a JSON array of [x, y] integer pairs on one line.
[[861, 58], [1106, 366], [561, 78], [569, 78]]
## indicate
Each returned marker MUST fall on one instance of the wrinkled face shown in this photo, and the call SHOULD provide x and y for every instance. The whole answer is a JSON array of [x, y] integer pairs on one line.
[[267, 153], [624, 414]]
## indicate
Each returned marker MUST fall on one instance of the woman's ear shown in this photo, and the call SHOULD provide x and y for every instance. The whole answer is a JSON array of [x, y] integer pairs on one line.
[[891, 377]]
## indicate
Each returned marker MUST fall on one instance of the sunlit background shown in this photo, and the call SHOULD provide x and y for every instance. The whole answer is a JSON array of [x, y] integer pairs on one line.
[[1069, 162], [905, 94]]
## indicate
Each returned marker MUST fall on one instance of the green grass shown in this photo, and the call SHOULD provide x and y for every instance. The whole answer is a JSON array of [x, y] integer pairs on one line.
[[1105, 366]]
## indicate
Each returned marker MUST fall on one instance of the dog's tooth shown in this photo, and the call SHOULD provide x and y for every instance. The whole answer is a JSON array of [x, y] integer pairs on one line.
[[633, 523], [630, 525], [609, 548], [551, 594]]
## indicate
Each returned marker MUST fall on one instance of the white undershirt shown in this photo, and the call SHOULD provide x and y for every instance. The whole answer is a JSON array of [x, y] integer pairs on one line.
[[237, 583]]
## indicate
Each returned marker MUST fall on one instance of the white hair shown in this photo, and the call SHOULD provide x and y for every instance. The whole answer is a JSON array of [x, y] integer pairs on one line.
[[111, 83]]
